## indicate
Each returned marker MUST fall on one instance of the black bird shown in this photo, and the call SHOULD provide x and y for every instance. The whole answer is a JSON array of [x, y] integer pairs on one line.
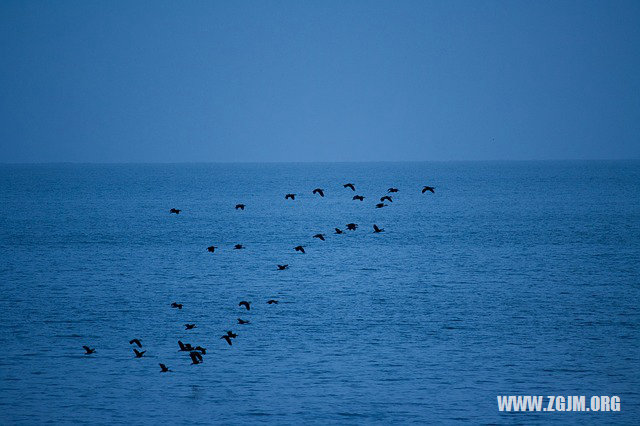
[[319, 191], [184, 347], [176, 305], [176, 211], [211, 249], [196, 357], [164, 368], [238, 247], [299, 248], [376, 229], [231, 334], [292, 196], [136, 341], [319, 236], [138, 353], [202, 350], [339, 231], [239, 206], [272, 302], [392, 190], [245, 304], [189, 326], [352, 226], [282, 267], [241, 321], [227, 338], [386, 197], [380, 205], [429, 188], [88, 350], [349, 185], [358, 197]]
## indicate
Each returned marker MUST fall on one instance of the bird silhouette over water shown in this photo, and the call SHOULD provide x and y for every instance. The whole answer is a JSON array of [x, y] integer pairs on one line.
[[339, 231], [239, 206], [431, 189], [211, 249], [88, 350], [185, 347], [246, 304], [358, 197], [189, 326], [242, 322], [300, 249], [272, 302], [238, 247], [282, 267], [376, 229], [319, 191], [352, 226], [196, 357], [392, 190], [136, 341], [381, 205], [231, 334], [202, 350], [227, 338], [164, 368], [138, 353], [386, 197], [319, 236], [292, 196], [176, 211], [176, 305], [349, 185]]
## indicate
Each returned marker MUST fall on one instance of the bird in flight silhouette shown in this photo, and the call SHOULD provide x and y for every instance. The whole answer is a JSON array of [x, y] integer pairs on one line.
[[352, 226], [272, 302], [358, 197], [319, 192], [242, 322], [376, 229], [189, 326], [339, 231], [176, 211], [176, 305], [136, 341], [299, 248], [431, 189], [282, 267], [392, 190], [386, 197], [227, 338], [211, 249], [292, 196], [246, 304], [88, 350], [239, 206], [164, 368], [380, 205], [138, 353], [196, 357], [238, 247], [319, 236], [349, 185]]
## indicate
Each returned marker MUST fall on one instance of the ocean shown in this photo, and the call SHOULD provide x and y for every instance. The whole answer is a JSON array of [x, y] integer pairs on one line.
[[513, 278]]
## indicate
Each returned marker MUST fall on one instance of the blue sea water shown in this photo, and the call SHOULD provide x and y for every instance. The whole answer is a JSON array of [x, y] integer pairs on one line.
[[513, 278]]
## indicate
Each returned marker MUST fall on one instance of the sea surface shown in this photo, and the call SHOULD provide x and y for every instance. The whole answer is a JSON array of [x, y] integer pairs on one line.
[[513, 278]]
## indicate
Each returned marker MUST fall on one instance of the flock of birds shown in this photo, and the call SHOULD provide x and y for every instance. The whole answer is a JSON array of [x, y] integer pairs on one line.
[[196, 353]]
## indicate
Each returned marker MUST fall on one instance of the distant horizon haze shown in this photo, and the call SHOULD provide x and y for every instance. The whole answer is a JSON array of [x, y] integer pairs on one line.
[[286, 81]]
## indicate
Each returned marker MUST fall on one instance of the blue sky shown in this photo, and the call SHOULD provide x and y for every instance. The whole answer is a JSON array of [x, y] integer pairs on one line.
[[120, 81]]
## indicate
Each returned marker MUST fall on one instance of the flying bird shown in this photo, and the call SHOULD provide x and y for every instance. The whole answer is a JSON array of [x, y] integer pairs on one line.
[[380, 205], [245, 304], [349, 185], [184, 347], [211, 249], [319, 236], [429, 188], [227, 338], [392, 190], [376, 229], [352, 226], [176, 211], [292, 196], [164, 368], [299, 248], [386, 197], [176, 305], [282, 267], [238, 247], [202, 350], [189, 326], [138, 353], [231, 334], [89, 350], [196, 357], [242, 322], [272, 302], [358, 197], [339, 231], [136, 341], [239, 206], [319, 191]]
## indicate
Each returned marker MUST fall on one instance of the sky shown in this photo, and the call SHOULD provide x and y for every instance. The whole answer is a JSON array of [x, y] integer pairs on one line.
[[269, 81]]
